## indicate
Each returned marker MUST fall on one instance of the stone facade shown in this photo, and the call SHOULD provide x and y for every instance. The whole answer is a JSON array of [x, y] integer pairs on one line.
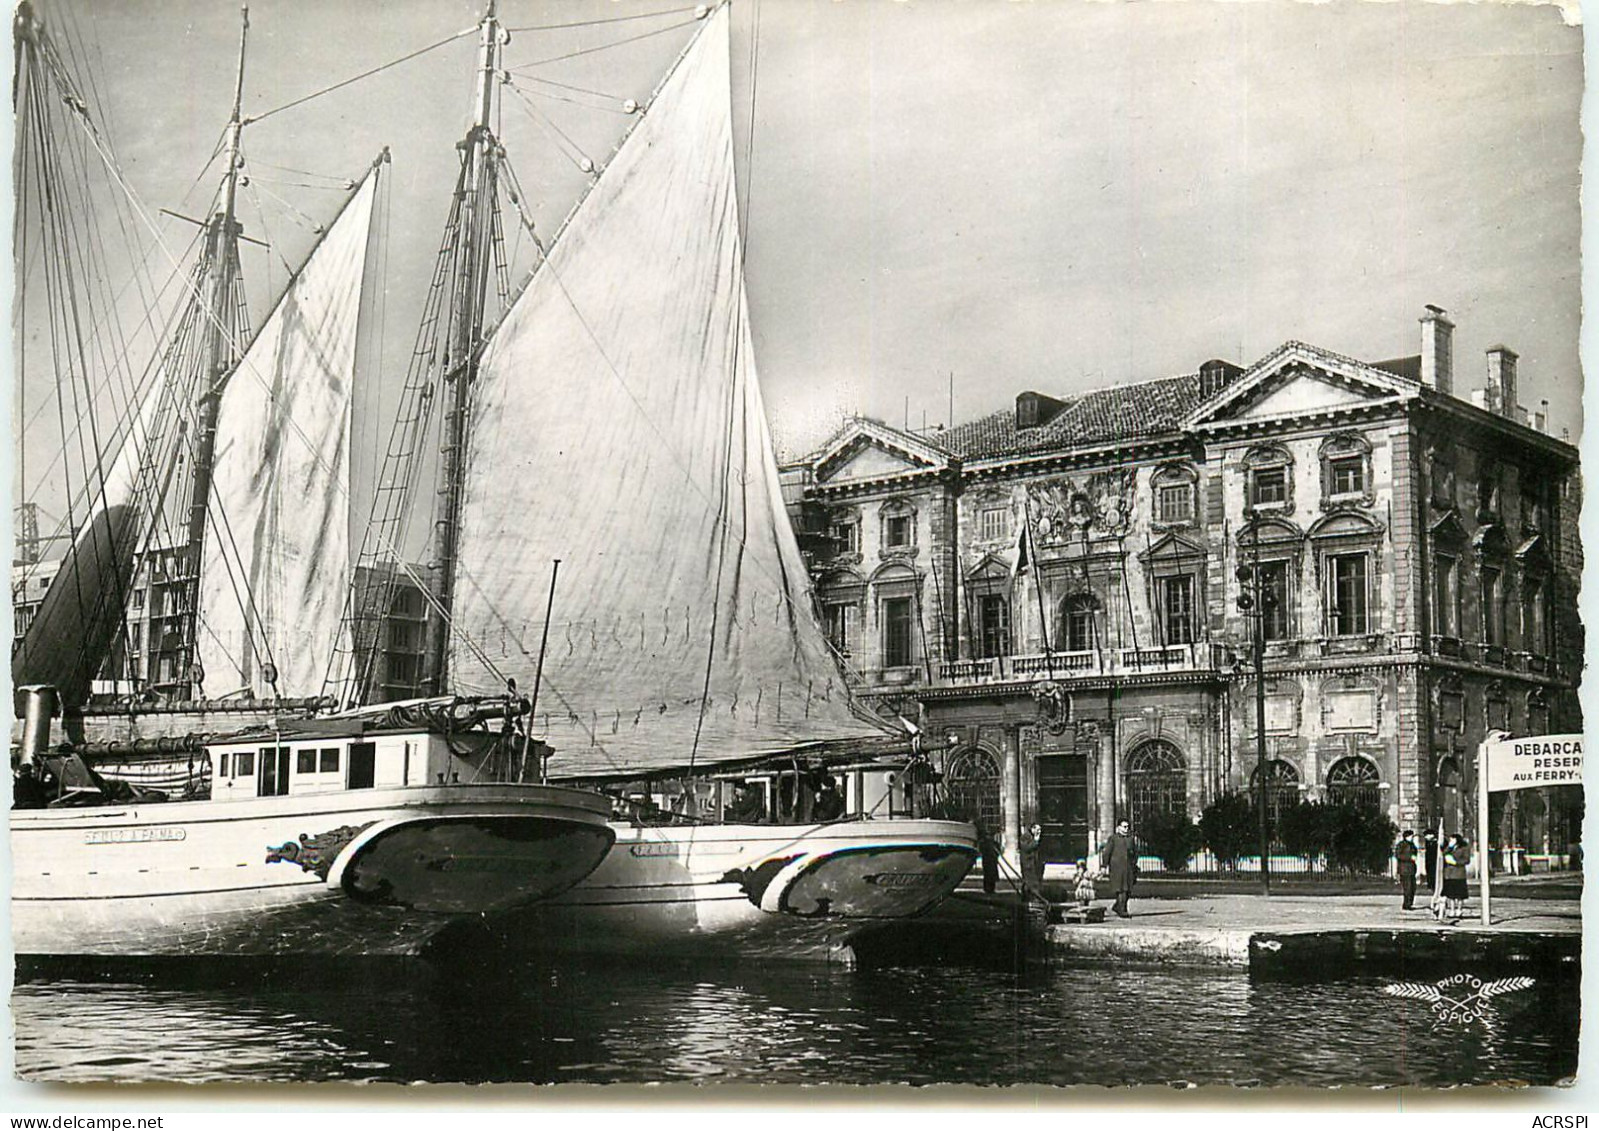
[[1054, 592]]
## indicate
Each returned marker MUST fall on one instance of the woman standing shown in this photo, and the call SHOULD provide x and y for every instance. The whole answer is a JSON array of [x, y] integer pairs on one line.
[[1457, 854]]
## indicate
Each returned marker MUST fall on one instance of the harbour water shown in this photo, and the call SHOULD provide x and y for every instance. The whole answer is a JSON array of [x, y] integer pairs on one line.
[[784, 1025]]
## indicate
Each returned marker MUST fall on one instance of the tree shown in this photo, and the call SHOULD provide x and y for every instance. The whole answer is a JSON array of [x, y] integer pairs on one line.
[[1229, 827], [1172, 837]]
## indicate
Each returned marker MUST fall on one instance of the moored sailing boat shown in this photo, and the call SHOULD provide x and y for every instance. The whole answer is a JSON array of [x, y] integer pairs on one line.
[[612, 420], [356, 835]]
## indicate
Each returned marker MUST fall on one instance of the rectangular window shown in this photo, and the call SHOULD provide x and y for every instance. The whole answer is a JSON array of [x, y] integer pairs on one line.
[[244, 764], [222, 766], [363, 765], [1534, 618], [899, 530], [329, 761], [1269, 487], [1274, 599], [1347, 594], [1177, 608], [897, 652], [995, 635], [1446, 595], [996, 524], [1348, 475], [1079, 628], [837, 624], [846, 537], [1175, 503], [1493, 606], [305, 762], [138, 599]]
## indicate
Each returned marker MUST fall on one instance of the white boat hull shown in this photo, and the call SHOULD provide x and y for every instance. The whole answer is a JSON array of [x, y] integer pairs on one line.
[[750, 891], [361, 872]]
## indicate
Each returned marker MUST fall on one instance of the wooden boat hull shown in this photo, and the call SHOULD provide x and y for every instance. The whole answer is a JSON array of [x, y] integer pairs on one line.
[[370, 872], [750, 891]]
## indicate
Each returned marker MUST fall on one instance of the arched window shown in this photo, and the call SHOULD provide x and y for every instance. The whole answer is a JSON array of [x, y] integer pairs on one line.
[[1156, 782], [1282, 788], [973, 783], [1353, 781]]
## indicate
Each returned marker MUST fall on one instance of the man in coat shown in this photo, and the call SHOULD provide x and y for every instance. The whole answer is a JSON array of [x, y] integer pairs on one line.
[[1120, 861], [1405, 855]]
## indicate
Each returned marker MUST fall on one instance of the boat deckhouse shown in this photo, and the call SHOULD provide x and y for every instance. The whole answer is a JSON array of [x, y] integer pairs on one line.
[[1052, 592]]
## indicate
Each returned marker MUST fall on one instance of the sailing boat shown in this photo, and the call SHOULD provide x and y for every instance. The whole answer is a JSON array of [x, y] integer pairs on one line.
[[304, 835], [612, 421]]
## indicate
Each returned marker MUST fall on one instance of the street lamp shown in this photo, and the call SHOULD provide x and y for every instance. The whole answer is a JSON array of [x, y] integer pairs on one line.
[[1256, 601]]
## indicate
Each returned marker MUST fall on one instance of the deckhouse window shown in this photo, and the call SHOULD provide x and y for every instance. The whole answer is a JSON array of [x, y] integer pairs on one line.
[[305, 762], [329, 761]]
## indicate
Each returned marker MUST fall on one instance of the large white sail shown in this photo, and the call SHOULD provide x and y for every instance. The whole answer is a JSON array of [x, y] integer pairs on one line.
[[277, 552], [618, 426]]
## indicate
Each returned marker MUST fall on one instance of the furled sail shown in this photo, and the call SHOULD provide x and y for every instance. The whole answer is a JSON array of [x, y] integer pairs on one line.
[[72, 633], [618, 426], [277, 550]]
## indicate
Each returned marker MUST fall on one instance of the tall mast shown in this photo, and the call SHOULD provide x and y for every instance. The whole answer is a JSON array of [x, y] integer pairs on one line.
[[475, 193], [222, 252]]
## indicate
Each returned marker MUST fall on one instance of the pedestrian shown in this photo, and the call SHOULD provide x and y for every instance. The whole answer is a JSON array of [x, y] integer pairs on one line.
[[1429, 864], [1032, 853], [988, 853], [1456, 856], [1405, 854], [1083, 885], [1120, 862]]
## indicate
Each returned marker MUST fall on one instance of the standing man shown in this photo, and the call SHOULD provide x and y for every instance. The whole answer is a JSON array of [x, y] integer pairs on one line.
[[1120, 861], [1405, 854], [1429, 861]]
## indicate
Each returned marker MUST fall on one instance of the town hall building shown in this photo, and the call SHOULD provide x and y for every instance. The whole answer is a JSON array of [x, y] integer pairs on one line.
[[1052, 592]]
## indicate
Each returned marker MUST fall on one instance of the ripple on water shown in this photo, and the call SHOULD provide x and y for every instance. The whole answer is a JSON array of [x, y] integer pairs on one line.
[[1109, 1025]]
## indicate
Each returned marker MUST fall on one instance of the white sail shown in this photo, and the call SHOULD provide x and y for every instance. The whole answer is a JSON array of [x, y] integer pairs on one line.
[[618, 426], [277, 551]]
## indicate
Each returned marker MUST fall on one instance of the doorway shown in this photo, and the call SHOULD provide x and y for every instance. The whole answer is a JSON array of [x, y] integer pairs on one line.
[[1063, 807]]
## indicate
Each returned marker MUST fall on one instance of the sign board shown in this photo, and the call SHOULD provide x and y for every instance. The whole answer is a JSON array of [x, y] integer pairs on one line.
[[1528, 763]]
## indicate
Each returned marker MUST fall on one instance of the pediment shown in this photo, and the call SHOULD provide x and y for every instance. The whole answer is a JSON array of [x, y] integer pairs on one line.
[[991, 567], [1172, 547], [1298, 380], [866, 450]]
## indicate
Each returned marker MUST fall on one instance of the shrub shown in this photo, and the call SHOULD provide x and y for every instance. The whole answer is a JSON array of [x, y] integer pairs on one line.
[[1229, 827], [1359, 839], [1172, 837], [1303, 829]]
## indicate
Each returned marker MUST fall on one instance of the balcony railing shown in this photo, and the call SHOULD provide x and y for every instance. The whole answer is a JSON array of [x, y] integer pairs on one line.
[[1069, 665]]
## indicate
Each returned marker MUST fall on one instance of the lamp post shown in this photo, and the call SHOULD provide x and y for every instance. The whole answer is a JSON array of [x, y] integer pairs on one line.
[[1255, 601]]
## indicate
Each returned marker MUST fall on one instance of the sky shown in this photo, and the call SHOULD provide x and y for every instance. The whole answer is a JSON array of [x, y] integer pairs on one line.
[[948, 202]]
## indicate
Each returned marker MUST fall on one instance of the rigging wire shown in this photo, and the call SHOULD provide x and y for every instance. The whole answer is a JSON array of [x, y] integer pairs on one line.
[[363, 75], [606, 20], [605, 46]]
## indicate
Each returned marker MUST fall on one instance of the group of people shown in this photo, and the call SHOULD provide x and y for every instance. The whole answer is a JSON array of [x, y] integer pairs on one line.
[[1118, 864], [1441, 869]]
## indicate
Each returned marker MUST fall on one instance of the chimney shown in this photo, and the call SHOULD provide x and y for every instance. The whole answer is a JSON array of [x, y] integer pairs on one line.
[[1215, 375], [1437, 350], [1502, 379]]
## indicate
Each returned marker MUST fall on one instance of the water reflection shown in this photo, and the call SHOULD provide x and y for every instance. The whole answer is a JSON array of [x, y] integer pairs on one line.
[[1109, 1025]]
